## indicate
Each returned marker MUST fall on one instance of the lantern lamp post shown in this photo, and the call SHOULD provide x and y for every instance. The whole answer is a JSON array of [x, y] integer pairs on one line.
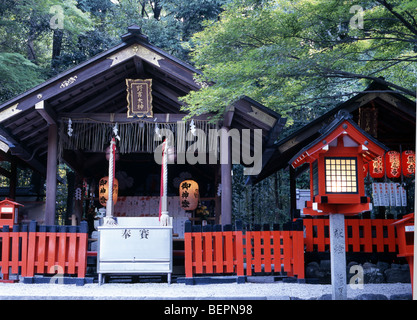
[[337, 187]]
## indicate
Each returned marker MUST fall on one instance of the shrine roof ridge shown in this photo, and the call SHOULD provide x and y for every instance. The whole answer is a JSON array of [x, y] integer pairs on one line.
[[342, 116]]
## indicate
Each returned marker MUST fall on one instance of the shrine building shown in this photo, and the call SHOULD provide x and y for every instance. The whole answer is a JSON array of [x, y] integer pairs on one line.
[[131, 91]]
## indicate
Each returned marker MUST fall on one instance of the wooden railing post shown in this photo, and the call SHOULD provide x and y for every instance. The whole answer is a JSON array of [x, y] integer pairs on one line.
[[188, 250]]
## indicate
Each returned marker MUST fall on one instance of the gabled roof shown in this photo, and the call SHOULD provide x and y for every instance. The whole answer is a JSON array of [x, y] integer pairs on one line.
[[8, 201], [247, 113], [345, 127], [396, 125], [97, 85]]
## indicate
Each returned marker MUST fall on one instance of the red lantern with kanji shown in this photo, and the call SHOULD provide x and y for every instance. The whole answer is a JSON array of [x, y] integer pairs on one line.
[[103, 190], [376, 167], [408, 163], [189, 195], [393, 164]]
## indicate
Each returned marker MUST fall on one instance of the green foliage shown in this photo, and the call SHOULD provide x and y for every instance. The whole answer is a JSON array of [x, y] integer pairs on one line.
[[23, 176], [192, 14], [88, 27], [168, 23], [27, 36], [62, 194], [267, 202], [300, 57], [17, 74]]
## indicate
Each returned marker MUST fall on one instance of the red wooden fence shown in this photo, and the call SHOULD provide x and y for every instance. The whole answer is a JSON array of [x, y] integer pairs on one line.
[[269, 249], [13, 251], [213, 252], [362, 235], [44, 250], [219, 252], [50, 252]]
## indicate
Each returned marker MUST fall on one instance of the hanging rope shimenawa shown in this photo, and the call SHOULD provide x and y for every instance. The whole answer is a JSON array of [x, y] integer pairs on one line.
[[136, 136]]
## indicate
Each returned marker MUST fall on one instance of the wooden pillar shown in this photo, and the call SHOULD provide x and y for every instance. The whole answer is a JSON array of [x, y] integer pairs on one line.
[[226, 177], [217, 199], [293, 194], [51, 172], [50, 117]]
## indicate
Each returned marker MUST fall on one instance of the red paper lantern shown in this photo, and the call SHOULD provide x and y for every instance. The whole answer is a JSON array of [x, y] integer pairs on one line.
[[103, 192], [393, 164], [189, 195], [408, 163], [376, 167]]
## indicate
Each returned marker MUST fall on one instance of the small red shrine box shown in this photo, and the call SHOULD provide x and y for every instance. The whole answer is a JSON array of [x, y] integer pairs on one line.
[[405, 236], [336, 160], [9, 212]]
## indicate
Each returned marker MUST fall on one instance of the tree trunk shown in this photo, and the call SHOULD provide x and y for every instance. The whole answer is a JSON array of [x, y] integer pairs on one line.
[[56, 46], [31, 49], [157, 8], [277, 181]]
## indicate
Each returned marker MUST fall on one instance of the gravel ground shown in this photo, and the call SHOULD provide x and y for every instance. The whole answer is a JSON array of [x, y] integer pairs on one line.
[[153, 291]]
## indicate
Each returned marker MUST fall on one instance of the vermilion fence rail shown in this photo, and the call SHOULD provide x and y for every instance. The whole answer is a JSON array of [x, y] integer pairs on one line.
[[13, 251], [225, 251], [44, 250], [215, 251], [61, 249], [362, 235], [268, 250]]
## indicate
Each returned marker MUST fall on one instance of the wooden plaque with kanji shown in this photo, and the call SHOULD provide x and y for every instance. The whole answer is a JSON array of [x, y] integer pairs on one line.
[[139, 98]]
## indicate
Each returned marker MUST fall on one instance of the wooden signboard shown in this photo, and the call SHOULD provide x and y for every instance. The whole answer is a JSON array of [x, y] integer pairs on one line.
[[139, 98]]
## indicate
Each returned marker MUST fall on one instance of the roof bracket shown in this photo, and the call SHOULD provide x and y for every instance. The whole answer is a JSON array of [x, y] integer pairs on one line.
[[46, 112]]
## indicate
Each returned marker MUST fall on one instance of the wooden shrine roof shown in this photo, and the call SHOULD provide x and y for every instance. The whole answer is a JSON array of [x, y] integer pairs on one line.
[[342, 126], [98, 87], [393, 125]]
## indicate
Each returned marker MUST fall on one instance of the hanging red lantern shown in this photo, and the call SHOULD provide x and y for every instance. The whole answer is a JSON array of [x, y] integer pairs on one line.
[[393, 164], [376, 167], [365, 169], [103, 193], [189, 195], [408, 163]]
